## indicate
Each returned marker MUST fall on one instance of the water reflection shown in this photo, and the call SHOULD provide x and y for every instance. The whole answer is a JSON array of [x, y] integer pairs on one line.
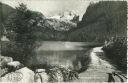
[[67, 54]]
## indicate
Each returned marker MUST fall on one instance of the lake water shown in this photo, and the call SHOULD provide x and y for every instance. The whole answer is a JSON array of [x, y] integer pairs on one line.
[[67, 54]]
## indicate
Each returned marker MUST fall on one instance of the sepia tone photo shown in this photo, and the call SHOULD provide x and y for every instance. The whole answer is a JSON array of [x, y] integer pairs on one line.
[[60, 41]]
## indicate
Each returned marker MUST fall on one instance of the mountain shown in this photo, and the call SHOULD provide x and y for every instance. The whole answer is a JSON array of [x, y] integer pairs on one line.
[[67, 16], [46, 28], [60, 25], [5, 11], [54, 29], [101, 21]]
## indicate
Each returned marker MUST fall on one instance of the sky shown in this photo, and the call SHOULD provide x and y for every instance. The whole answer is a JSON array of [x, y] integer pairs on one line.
[[53, 7]]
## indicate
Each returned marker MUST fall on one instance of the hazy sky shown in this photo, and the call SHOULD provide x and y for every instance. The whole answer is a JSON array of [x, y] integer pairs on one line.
[[53, 7]]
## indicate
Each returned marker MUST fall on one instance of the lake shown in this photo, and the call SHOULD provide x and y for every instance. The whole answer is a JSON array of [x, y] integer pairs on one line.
[[67, 54]]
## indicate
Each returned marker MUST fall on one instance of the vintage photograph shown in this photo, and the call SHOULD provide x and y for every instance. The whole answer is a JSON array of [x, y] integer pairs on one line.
[[62, 41]]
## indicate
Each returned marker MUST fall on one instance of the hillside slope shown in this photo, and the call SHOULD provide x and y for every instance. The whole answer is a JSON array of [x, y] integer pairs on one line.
[[101, 21], [5, 11]]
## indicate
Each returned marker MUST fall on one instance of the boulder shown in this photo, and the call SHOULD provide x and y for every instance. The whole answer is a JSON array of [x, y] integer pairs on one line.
[[23, 75], [5, 60], [13, 66]]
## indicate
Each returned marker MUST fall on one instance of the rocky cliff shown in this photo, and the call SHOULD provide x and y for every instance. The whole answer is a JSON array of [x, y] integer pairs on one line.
[[101, 21]]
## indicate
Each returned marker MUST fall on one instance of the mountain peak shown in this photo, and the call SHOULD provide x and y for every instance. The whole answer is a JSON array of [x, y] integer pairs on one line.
[[67, 16]]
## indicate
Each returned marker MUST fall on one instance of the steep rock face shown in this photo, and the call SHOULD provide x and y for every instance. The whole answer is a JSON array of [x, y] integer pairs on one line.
[[101, 21], [60, 25]]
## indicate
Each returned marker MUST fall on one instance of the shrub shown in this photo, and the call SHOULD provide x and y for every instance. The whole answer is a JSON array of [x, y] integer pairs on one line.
[[116, 50]]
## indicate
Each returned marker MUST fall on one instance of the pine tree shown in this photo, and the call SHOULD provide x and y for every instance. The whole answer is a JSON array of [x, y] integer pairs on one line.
[[20, 28]]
